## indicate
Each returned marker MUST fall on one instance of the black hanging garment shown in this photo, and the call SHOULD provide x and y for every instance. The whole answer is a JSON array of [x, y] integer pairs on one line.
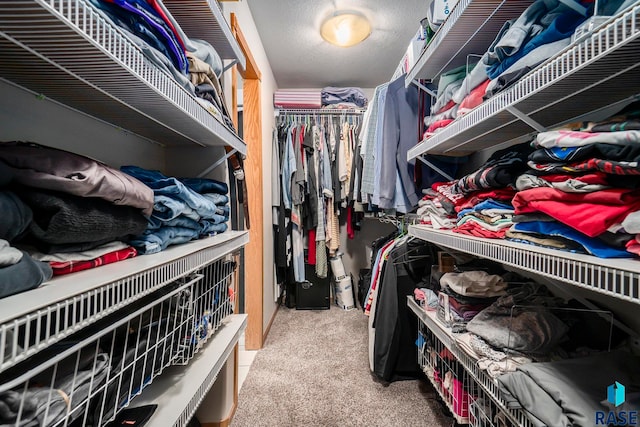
[[395, 326]]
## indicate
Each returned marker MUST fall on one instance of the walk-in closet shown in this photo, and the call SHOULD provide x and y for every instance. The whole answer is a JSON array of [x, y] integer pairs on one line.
[[319, 213]]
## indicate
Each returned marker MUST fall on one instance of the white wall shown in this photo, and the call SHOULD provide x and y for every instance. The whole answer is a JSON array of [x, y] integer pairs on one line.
[[25, 117], [268, 86]]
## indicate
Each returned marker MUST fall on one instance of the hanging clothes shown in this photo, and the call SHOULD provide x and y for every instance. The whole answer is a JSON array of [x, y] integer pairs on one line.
[[314, 157]]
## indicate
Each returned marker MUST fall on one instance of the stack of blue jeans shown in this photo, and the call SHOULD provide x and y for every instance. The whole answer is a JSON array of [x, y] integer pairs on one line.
[[183, 210]]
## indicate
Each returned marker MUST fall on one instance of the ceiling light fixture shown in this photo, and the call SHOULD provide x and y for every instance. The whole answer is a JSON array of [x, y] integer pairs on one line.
[[345, 29]]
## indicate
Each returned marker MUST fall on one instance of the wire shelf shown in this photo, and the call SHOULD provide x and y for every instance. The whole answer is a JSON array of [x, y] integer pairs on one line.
[[614, 277], [179, 391], [483, 412], [86, 379], [485, 383], [212, 299], [447, 376], [65, 50], [469, 29], [557, 92], [68, 304], [203, 19]]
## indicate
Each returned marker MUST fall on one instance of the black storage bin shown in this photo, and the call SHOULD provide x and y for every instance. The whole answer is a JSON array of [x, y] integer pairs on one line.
[[314, 293]]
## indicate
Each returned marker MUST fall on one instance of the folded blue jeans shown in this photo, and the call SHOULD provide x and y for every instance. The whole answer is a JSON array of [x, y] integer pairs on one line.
[[174, 189], [205, 185], [154, 241], [185, 222]]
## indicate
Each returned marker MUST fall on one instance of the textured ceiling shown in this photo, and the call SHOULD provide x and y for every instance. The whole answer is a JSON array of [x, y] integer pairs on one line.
[[300, 58]]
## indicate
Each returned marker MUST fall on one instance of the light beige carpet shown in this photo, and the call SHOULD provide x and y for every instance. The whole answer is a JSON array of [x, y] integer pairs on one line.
[[314, 371]]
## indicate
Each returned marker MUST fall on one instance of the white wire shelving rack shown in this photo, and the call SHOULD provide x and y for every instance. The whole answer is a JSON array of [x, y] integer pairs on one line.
[[487, 384], [203, 19], [619, 278], [67, 304], [469, 29], [103, 369], [66, 51], [180, 390], [597, 72], [436, 363]]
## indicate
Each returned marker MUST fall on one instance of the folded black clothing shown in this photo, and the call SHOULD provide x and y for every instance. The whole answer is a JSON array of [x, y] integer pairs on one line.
[[625, 151], [25, 275], [15, 217], [499, 171], [616, 240], [463, 299], [60, 218], [531, 217], [6, 175]]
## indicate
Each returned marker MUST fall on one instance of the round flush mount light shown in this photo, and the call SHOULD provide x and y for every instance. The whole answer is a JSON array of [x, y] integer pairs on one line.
[[345, 29]]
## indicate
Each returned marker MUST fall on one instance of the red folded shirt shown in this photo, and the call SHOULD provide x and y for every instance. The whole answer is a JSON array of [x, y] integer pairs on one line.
[[594, 178], [474, 229], [589, 213], [66, 267]]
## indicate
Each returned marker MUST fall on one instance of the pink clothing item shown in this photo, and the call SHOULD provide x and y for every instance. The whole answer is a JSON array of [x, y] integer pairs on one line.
[[633, 246], [589, 213], [297, 98], [474, 99], [447, 107], [438, 125], [472, 228]]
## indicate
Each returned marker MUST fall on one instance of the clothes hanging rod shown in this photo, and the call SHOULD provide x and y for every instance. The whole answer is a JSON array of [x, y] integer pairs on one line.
[[337, 112]]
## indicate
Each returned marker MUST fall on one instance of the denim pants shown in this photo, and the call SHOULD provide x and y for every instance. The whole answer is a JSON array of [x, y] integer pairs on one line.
[[154, 241], [174, 189]]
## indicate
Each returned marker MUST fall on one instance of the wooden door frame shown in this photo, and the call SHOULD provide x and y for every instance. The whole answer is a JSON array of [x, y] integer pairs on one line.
[[252, 133]]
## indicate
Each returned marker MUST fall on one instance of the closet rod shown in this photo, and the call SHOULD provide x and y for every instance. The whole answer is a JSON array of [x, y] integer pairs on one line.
[[336, 111]]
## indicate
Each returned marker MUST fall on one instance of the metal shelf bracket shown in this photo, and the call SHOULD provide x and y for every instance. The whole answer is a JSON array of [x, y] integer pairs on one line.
[[425, 88], [229, 65], [528, 120], [217, 163], [434, 167]]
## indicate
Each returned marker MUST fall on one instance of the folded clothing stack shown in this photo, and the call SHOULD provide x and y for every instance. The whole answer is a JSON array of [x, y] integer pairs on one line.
[[183, 210], [465, 294], [193, 63], [60, 202], [344, 97], [77, 203], [297, 98], [581, 192], [571, 392]]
